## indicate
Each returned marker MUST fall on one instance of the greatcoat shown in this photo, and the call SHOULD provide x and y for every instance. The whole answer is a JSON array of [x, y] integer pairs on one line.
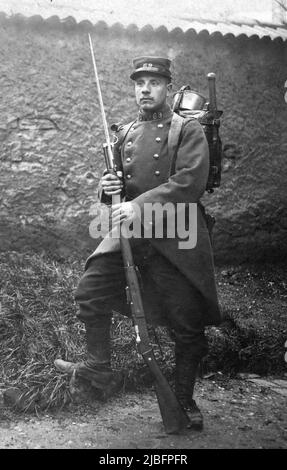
[[144, 159]]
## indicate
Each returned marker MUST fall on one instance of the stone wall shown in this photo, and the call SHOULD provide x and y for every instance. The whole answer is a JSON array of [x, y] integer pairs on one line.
[[51, 131]]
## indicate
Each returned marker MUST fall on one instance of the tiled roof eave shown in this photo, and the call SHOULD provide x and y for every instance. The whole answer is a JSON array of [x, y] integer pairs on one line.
[[182, 25]]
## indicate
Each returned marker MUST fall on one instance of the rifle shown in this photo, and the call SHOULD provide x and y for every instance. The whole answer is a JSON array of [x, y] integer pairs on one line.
[[174, 417]]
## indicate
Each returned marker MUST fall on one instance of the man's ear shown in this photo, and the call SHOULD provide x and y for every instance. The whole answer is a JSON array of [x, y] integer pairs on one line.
[[169, 89]]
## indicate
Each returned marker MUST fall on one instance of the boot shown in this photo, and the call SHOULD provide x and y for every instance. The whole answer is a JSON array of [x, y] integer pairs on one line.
[[96, 369], [185, 376]]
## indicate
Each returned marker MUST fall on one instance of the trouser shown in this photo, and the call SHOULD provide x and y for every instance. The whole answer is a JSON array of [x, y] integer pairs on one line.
[[168, 297]]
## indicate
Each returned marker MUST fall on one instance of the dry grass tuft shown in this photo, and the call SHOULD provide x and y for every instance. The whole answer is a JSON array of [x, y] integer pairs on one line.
[[38, 324]]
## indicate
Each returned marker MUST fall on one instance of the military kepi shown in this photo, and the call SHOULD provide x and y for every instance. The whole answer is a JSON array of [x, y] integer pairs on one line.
[[155, 65]]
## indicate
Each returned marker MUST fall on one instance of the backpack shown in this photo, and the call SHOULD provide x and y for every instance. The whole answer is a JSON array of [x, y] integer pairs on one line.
[[188, 103]]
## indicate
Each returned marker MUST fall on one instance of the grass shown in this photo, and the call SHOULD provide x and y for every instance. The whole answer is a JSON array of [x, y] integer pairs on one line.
[[38, 324], [254, 301]]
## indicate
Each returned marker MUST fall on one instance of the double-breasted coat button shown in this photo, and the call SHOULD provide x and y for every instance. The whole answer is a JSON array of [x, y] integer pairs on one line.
[[128, 159], [158, 139], [156, 155], [129, 143], [157, 173], [128, 177]]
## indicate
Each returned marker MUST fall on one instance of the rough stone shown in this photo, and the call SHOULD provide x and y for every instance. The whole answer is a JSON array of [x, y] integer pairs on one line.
[[262, 382], [281, 391], [246, 375], [281, 383], [276, 385]]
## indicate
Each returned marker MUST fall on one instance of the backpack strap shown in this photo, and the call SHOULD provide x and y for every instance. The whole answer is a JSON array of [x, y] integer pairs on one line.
[[174, 135], [123, 132], [173, 139]]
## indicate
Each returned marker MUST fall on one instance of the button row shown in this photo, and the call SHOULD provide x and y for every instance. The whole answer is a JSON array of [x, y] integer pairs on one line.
[[157, 173], [156, 156], [158, 139]]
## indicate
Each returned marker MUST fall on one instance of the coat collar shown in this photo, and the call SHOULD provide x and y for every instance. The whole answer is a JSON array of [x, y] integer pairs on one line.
[[154, 116]]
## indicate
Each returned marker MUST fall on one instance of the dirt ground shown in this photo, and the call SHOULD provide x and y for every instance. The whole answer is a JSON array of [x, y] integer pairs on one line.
[[238, 414]]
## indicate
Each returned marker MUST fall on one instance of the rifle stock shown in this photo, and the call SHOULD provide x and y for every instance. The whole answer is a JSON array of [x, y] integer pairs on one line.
[[173, 416]]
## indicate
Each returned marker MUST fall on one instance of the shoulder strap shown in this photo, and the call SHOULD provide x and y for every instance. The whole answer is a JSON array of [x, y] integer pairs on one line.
[[173, 139], [123, 132]]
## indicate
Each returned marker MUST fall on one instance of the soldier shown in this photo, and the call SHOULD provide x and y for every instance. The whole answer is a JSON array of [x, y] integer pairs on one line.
[[178, 284]]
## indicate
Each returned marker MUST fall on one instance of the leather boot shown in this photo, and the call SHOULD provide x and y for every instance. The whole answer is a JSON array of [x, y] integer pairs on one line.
[[96, 369], [185, 376]]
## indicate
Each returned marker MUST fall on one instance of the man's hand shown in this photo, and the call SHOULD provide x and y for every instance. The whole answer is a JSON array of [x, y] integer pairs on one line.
[[123, 212], [112, 184]]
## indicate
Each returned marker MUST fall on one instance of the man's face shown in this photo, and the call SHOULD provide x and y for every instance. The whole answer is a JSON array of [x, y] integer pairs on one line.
[[151, 91]]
